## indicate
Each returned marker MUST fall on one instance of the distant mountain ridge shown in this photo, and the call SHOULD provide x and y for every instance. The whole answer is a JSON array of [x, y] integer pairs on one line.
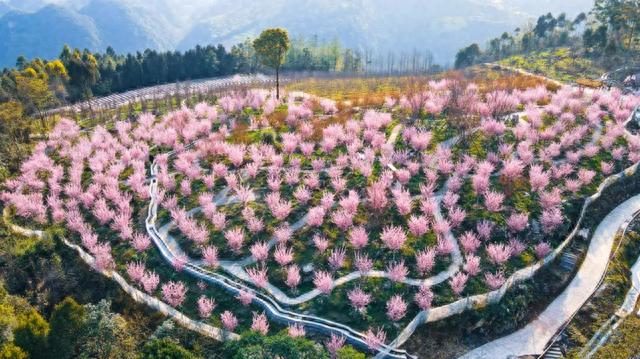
[[44, 32], [38, 28]]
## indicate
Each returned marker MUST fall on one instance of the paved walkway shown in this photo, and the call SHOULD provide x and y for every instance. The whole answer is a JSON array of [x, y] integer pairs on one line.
[[533, 338], [161, 91]]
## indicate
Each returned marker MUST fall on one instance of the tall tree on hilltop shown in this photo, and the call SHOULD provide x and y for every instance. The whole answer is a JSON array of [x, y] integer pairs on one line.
[[622, 16], [467, 56], [271, 47], [82, 68]]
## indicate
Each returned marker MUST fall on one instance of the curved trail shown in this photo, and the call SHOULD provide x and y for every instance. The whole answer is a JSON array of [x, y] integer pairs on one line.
[[170, 249], [236, 268], [441, 312], [135, 293], [273, 309], [169, 89], [536, 335], [533, 338]]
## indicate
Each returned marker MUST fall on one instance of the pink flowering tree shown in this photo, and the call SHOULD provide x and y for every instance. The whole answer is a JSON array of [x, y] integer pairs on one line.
[[396, 308], [458, 282], [205, 306], [375, 338], [359, 299], [323, 282], [259, 323], [174, 293], [335, 343], [498, 253], [229, 321], [393, 237], [424, 297]]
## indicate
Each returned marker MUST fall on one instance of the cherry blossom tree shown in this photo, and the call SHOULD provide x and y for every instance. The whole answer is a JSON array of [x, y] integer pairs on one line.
[[472, 265], [136, 271], [470, 242], [258, 276], [315, 216], [320, 242], [550, 219], [425, 260], [517, 222], [458, 282], [494, 281], [402, 200], [377, 195], [205, 306], [363, 263], [283, 255], [375, 338], [178, 262], [335, 343], [296, 330], [484, 229], [396, 308], [323, 282], [259, 251], [393, 237], [397, 271], [498, 253], [174, 293], [538, 178], [358, 237], [359, 299], [245, 297], [337, 258], [210, 256], [493, 201], [235, 239], [418, 225], [512, 169], [150, 281], [140, 242], [293, 276], [542, 249], [229, 321], [260, 323], [424, 297]]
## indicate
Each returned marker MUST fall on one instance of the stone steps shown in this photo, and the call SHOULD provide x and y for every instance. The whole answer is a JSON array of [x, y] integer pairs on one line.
[[553, 353]]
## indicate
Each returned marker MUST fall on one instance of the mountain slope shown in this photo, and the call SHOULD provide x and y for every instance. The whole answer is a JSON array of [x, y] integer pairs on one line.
[[128, 29], [44, 32], [441, 26], [379, 25]]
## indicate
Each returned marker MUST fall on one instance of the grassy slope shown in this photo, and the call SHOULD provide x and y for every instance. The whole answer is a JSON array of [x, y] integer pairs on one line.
[[560, 64]]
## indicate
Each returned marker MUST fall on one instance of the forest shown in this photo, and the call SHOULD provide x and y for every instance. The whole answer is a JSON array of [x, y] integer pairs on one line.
[[609, 35]]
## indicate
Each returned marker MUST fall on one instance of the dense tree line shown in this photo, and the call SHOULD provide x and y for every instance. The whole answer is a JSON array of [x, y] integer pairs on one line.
[[611, 28], [78, 75]]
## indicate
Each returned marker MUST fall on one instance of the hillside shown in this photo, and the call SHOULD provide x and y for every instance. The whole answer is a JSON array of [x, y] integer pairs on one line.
[[128, 28], [23, 34], [376, 25], [560, 64]]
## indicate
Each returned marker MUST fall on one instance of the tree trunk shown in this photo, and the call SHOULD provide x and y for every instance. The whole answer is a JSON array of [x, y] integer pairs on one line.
[[278, 82], [43, 123]]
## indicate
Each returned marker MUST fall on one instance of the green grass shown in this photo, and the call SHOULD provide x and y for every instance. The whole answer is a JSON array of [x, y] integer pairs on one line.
[[625, 343], [560, 64]]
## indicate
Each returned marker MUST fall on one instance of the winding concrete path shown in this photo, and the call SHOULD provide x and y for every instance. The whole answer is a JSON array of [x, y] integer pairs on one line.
[[169, 89], [237, 268], [533, 338], [271, 307]]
